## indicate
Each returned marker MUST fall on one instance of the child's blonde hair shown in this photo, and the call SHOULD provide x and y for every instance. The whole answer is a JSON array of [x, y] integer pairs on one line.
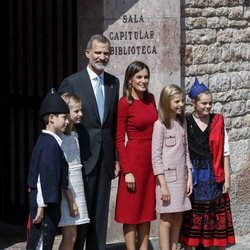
[[71, 100], [164, 111]]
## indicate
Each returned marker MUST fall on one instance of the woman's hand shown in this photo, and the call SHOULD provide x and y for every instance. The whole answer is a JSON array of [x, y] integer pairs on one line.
[[165, 194], [189, 183], [130, 181], [117, 169], [227, 184], [74, 209], [226, 187]]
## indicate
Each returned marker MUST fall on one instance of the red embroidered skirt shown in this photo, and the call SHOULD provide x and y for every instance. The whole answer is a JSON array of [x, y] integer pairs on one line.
[[208, 224]]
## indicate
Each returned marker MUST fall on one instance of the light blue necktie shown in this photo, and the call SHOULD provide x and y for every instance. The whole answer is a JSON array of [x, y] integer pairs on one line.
[[99, 97]]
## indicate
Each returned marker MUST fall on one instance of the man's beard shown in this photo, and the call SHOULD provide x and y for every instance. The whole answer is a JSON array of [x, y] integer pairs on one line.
[[98, 65]]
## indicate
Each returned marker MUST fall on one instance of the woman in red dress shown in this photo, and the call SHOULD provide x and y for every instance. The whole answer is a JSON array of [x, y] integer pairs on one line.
[[135, 204]]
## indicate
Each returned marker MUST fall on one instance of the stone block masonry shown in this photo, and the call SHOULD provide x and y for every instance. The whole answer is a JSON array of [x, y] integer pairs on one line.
[[216, 48], [179, 40]]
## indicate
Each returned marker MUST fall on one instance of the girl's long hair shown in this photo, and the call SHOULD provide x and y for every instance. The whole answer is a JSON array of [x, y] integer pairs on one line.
[[71, 100], [164, 111]]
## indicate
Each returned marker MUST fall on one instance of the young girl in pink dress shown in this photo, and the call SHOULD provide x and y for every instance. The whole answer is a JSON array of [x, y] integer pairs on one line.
[[172, 166]]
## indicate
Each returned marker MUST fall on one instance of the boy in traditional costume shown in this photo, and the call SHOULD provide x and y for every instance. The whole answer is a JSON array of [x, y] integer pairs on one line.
[[48, 174]]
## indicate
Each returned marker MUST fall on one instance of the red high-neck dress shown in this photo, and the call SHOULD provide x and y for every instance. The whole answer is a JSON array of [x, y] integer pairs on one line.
[[135, 126]]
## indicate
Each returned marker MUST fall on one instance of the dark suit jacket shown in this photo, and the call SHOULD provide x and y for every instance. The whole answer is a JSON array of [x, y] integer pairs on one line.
[[49, 163], [92, 134]]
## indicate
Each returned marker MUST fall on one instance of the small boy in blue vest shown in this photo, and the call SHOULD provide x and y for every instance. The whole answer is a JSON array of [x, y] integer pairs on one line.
[[48, 174]]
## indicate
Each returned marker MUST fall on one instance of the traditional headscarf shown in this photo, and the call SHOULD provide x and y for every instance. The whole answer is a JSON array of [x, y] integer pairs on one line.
[[197, 88]]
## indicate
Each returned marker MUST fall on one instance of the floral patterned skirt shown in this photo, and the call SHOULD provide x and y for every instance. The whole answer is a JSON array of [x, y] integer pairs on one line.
[[208, 224]]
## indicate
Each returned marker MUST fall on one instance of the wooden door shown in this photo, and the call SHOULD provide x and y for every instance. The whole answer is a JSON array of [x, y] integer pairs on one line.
[[40, 49]]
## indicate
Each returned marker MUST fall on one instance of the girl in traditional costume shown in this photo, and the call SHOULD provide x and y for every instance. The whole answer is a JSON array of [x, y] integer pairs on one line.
[[209, 223]]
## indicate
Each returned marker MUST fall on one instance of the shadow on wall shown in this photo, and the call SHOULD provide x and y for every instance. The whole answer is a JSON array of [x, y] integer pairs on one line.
[[95, 12], [183, 43], [117, 9]]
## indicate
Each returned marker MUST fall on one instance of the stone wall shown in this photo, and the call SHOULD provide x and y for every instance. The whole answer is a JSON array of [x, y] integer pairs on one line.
[[213, 40], [149, 31], [216, 49]]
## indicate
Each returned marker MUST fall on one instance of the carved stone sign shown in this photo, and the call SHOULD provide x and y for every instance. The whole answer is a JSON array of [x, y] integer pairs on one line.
[[129, 36], [148, 31], [145, 30]]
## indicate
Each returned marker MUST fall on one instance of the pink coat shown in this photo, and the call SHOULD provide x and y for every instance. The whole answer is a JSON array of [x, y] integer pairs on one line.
[[170, 156]]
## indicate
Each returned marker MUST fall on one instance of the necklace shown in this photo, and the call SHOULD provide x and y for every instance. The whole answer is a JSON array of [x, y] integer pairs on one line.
[[202, 119]]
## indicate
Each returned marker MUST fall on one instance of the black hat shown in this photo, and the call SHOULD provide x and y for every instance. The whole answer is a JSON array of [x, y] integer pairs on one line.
[[53, 104]]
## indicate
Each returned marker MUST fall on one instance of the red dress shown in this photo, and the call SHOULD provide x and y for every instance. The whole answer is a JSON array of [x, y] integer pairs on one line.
[[135, 121]]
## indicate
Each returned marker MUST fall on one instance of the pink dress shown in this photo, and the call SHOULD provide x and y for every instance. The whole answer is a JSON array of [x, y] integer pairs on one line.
[[170, 156]]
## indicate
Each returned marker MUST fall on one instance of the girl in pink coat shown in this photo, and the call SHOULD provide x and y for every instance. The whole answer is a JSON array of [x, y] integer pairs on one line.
[[171, 165]]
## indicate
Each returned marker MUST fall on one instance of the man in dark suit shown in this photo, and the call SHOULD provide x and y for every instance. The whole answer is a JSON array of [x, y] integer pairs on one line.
[[96, 137]]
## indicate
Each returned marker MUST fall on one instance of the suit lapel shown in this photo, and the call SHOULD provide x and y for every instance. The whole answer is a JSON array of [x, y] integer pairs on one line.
[[88, 92], [90, 96], [108, 94]]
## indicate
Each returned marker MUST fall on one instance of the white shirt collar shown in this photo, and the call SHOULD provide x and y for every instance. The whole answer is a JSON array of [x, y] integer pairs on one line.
[[58, 139], [93, 75]]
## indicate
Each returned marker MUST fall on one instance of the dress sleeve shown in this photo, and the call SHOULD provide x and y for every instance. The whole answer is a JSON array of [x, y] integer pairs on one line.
[[157, 146], [188, 161], [226, 144], [39, 197], [121, 131]]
